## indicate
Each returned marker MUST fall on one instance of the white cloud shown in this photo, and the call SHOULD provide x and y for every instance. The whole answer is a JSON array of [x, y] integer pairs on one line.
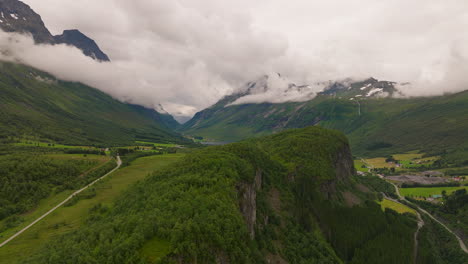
[[186, 54]]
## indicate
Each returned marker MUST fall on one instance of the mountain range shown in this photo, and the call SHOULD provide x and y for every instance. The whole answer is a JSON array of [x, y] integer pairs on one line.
[[16, 16], [36, 104], [372, 113]]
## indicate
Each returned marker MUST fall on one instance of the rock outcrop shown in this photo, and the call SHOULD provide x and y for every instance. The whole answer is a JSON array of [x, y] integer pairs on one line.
[[16, 16], [248, 201]]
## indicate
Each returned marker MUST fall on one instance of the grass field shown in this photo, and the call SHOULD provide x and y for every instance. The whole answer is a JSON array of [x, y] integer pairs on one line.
[[358, 165], [408, 160], [427, 192], [66, 219], [30, 143], [400, 208], [156, 144], [407, 156], [379, 163]]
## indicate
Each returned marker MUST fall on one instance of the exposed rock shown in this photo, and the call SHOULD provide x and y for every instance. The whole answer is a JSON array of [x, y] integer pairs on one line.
[[344, 168], [351, 199], [16, 16], [75, 38], [248, 201]]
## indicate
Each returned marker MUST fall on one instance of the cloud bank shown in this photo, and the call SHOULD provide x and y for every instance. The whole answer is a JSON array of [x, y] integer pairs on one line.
[[187, 54]]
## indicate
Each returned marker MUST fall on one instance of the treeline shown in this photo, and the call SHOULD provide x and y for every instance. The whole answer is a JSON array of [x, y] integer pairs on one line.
[[85, 151], [414, 185], [457, 172], [438, 246], [25, 179], [378, 185]]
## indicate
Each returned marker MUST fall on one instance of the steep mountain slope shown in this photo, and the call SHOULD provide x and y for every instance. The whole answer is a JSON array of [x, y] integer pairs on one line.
[[375, 121], [285, 198], [36, 104], [15, 16]]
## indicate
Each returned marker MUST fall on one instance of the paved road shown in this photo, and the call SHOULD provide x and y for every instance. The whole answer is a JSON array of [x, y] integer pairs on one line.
[[119, 163], [460, 241]]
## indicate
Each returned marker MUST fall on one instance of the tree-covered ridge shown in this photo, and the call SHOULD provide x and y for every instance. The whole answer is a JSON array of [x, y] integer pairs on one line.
[[278, 198], [36, 104]]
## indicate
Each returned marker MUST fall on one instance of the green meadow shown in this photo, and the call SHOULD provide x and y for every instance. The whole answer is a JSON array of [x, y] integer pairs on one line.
[[427, 192], [400, 208]]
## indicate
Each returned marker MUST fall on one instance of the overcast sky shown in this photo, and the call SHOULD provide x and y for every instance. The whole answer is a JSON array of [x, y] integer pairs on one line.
[[186, 54]]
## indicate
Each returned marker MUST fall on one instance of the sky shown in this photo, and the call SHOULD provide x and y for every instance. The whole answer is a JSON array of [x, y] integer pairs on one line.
[[187, 54]]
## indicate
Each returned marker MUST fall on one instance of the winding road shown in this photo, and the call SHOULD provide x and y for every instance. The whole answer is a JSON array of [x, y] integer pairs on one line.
[[460, 241], [119, 163]]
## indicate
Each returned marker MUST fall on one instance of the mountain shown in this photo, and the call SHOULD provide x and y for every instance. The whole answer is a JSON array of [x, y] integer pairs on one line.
[[37, 105], [88, 46], [371, 113], [285, 198], [16, 16]]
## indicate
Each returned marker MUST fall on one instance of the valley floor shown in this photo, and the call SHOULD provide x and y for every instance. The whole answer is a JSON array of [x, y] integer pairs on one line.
[[66, 219]]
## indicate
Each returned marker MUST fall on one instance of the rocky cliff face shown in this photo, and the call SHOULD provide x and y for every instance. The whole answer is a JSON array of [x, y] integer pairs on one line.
[[303, 183], [344, 170], [16, 16], [248, 201]]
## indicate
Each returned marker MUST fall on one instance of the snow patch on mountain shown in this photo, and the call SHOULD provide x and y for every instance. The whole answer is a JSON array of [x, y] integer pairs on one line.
[[374, 91], [276, 89]]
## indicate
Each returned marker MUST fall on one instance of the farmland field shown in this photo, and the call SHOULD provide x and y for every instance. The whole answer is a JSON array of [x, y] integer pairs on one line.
[[427, 192], [379, 163], [358, 165], [156, 144], [408, 160], [400, 208], [408, 156]]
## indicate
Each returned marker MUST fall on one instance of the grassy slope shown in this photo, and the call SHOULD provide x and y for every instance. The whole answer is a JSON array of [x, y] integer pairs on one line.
[[430, 124], [67, 219], [36, 104], [400, 208]]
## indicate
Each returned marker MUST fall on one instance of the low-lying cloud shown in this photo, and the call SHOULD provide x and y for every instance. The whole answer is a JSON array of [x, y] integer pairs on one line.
[[187, 54]]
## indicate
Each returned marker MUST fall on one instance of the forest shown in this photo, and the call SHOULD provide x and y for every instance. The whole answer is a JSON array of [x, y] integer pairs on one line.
[[200, 208], [28, 175], [453, 210]]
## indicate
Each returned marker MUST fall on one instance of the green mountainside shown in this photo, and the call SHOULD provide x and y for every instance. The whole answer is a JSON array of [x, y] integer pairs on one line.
[[36, 105], [285, 198], [375, 126]]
